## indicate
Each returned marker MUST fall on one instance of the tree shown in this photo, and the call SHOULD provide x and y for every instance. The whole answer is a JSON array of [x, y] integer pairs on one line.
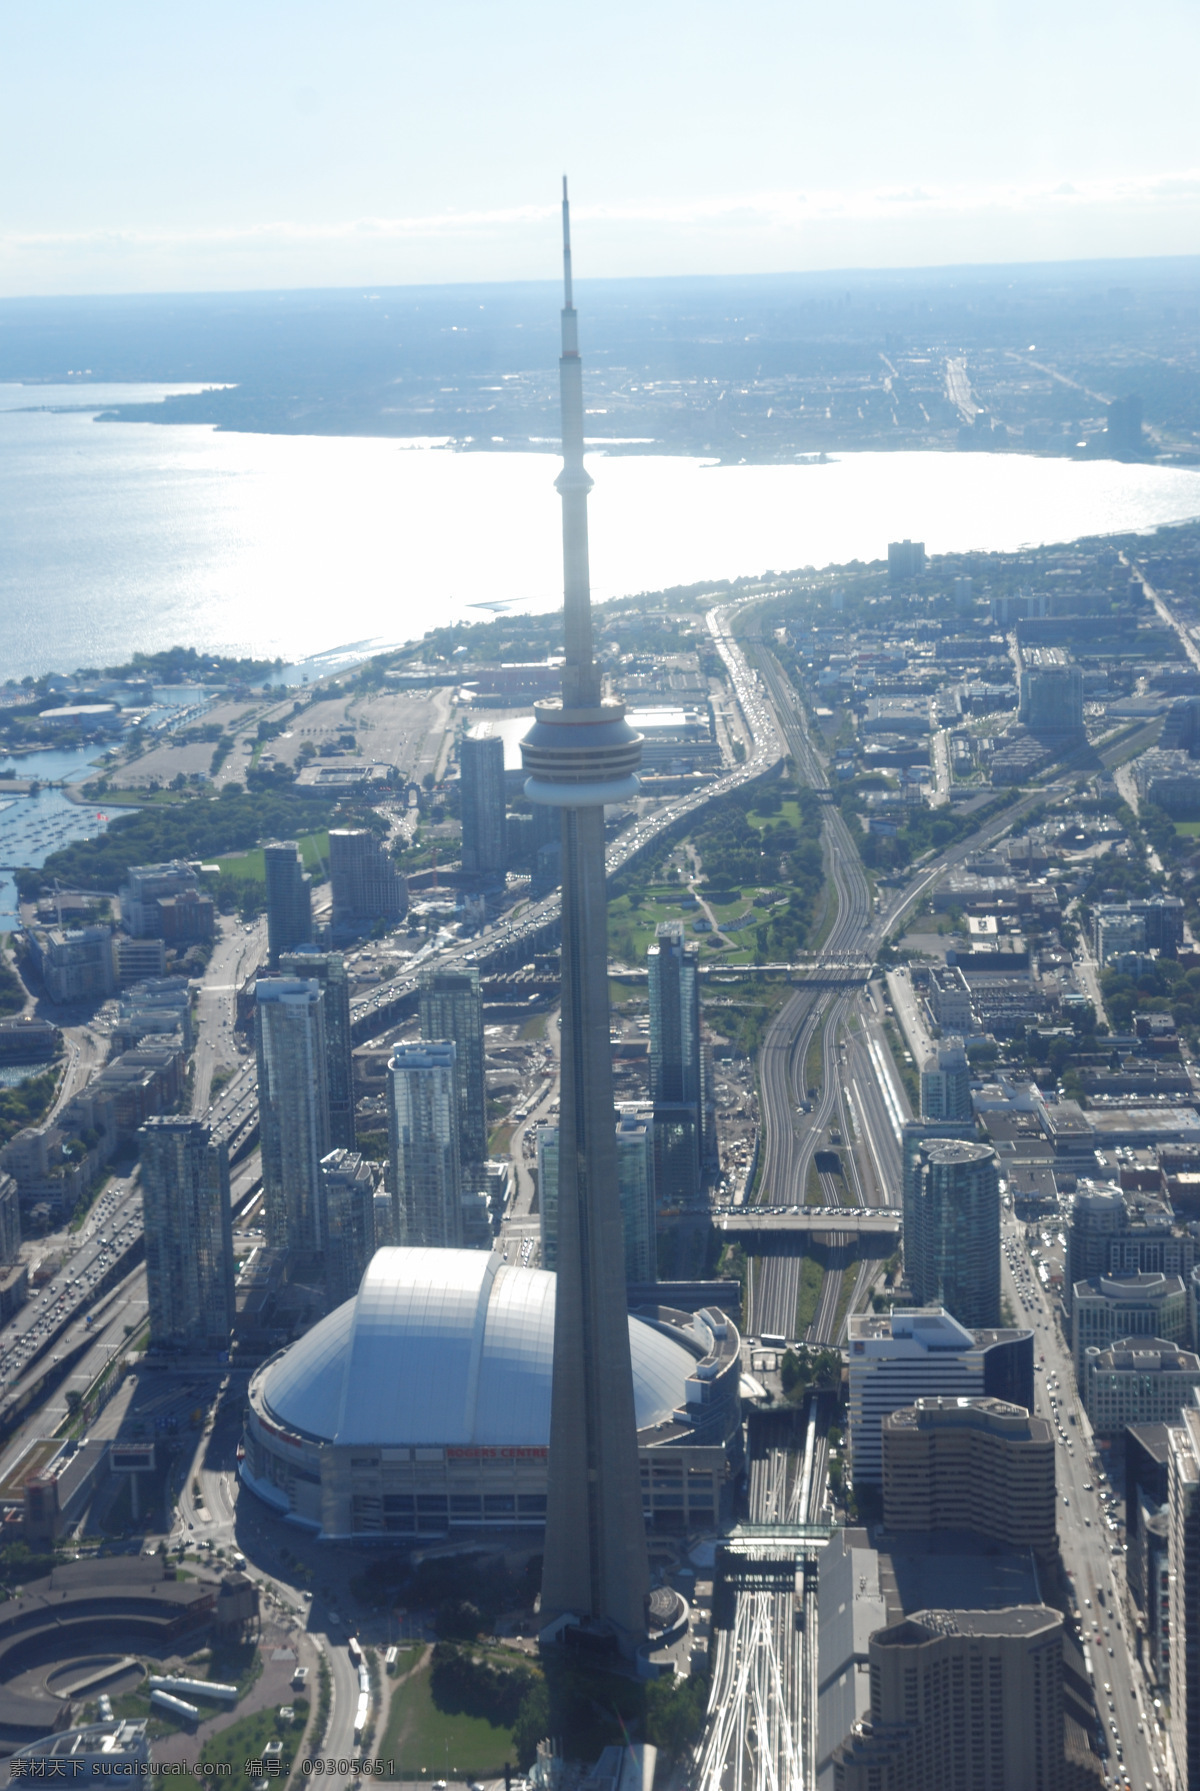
[[532, 1724], [675, 1713], [457, 1619]]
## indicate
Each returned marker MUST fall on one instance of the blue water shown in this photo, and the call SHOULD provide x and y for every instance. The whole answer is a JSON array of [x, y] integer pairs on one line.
[[120, 536]]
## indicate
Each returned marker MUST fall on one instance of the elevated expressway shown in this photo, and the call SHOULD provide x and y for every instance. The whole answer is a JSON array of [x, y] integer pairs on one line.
[[805, 1221]]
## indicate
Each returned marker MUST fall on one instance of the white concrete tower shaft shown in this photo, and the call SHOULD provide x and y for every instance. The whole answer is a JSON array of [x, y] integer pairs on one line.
[[581, 754]]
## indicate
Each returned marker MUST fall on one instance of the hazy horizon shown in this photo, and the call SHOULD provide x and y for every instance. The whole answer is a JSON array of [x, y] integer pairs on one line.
[[1070, 265], [287, 147]]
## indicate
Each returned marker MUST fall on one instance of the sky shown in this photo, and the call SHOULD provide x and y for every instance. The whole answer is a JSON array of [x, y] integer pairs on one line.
[[248, 144]]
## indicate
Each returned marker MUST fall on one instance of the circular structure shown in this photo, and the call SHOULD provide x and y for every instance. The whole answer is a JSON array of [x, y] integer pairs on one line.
[[423, 1404], [58, 1636], [580, 758]]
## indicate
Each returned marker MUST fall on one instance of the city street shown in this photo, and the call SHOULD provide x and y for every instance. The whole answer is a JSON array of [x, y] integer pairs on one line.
[[237, 950], [1091, 1548]]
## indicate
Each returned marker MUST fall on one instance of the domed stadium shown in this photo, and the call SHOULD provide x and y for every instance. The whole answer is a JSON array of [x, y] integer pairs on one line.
[[422, 1406]]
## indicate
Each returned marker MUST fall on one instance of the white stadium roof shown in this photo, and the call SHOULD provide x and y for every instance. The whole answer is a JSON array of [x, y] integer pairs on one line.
[[447, 1347]]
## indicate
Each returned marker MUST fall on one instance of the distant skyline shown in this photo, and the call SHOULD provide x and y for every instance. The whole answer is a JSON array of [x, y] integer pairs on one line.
[[151, 148]]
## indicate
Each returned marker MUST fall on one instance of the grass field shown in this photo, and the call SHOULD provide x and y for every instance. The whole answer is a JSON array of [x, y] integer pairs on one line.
[[421, 1741], [789, 811], [631, 921], [825, 913], [406, 1658], [500, 1138], [1187, 830], [814, 1060], [249, 866], [811, 1277], [243, 1742], [845, 1295]]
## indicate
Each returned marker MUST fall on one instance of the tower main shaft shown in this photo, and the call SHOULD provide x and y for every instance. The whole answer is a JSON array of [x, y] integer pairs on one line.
[[581, 754]]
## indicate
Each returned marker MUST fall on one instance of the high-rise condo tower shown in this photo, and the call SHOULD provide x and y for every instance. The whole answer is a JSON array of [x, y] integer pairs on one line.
[[580, 754]]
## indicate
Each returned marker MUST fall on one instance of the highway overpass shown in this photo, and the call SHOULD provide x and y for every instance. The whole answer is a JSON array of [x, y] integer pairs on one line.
[[784, 1221]]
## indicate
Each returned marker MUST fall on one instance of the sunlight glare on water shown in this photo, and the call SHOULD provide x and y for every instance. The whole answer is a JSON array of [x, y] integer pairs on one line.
[[127, 536]]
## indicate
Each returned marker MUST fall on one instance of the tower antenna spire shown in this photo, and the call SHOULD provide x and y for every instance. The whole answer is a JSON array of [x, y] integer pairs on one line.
[[581, 675], [568, 300]]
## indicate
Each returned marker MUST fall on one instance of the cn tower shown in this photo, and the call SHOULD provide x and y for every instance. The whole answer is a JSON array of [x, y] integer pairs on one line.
[[580, 754]]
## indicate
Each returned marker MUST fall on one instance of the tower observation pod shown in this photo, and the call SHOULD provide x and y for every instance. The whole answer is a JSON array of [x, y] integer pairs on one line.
[[580, 754]]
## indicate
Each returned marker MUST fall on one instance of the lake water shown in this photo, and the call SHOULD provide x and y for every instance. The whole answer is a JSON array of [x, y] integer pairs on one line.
[[125, 536]]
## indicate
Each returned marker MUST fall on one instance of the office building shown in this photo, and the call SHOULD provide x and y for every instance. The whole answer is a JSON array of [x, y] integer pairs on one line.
[[424, 1132], [186, 918], [547, 1174], [364, 882], [75, 963], [676, 1065], [189, 1236], [906, 559], [386, 1234], [923, 1353], [960, 1700], [635, 1180], [1051, 687], [484, 837], [349, 1196], [10, 1219], [1119, 932], [138, 960], [1108, 1309], [952, 1230], [970, 1464], [1115, 1231], [950, 1000], [151, 1009], [1161, 920], [328, 969], [946, 1083], [1148, 1538], [581, 755], [451, 1007], [289, 900], [1170, 780], [293, 1105], [635, 1174], [1137, 1380], [535, 844], [1183, 1561], [147, 885], [913, 1135]]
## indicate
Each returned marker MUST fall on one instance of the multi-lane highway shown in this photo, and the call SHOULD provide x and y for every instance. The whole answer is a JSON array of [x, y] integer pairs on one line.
[[794, 1127], [111, 1232]]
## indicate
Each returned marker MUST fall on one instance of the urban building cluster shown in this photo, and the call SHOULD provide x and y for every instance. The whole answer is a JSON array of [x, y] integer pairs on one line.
[[423, 1209]]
